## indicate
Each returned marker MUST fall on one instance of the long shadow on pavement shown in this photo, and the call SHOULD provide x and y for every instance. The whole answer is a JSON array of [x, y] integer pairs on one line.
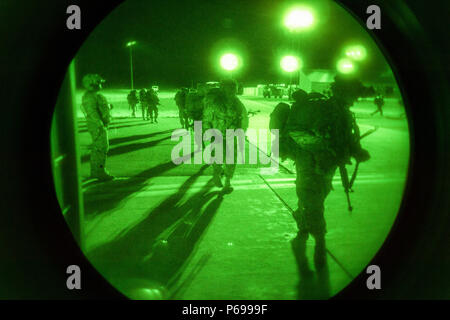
[[119, 127], [157, 249], [128, 148], [314, 285], [114, 141], [113, 192], [82, 124]]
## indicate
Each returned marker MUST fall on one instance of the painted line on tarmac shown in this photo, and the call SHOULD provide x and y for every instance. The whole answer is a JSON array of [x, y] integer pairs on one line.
[[292, 211], [337, 178], [155, 187]]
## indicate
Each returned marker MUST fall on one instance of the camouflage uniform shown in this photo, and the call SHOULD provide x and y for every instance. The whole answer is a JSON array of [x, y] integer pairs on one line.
[[326, 136], [323, 132], [97, 112], [223, 110]]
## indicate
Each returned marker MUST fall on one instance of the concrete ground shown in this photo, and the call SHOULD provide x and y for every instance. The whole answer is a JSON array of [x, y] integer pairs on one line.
[[161, 230]]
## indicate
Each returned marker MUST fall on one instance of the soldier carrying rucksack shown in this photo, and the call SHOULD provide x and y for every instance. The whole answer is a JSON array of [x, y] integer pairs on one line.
[[152, 104], [320, 135], [132, 100], [143, 100]]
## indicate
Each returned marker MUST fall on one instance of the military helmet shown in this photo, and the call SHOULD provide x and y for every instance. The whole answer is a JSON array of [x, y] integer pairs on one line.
[[91, 81]]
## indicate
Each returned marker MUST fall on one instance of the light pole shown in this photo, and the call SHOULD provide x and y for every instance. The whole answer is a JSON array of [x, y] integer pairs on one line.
[[296, 20], [130, 45]]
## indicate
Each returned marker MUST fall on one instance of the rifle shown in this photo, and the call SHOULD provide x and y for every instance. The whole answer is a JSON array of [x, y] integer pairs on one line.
[[344, 174], [346, 184]]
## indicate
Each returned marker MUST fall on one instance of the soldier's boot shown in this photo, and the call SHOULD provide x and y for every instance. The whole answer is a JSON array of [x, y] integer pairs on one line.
[[298, 245], [98, 172], [320, 252], [98, 161], [105, 176], [217, 176], [227, 187]]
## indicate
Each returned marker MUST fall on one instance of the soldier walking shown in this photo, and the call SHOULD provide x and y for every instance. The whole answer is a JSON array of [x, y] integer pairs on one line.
[[132, 102], [144, 103], [152, 103], [223, 110], [323, 136], [379, 102], [180, 100]]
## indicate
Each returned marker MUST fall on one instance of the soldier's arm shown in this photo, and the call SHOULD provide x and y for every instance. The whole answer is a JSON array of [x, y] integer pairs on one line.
[[356, 149], [103, 109]]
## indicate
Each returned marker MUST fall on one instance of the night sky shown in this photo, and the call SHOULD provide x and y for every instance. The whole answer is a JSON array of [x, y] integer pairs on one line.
[[179, 42]]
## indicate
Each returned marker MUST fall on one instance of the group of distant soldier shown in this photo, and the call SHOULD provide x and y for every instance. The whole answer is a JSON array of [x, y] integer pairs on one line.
[[147, 100], [217, 108]]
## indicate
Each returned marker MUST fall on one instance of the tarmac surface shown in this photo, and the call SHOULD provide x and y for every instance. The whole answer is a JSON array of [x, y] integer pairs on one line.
[[164, 231]]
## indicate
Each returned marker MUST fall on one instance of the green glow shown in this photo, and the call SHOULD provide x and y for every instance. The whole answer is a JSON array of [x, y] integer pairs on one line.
[[290, 63], [152, 230], [357, 52], [229, 61], [299, 18], [345, 66]]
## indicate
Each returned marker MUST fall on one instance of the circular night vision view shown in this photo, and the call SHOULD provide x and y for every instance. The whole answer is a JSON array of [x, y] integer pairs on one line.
[[206, 150]]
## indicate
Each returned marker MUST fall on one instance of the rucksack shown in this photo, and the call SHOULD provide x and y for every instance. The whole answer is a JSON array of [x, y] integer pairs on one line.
[[327, 120], [279, 116], [278, 120]]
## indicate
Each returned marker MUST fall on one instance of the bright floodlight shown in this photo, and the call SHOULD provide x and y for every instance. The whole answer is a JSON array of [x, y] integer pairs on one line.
[[131, 43], [229, 61], [345, 66], [289, 63], [357, 52], [299, 18]]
